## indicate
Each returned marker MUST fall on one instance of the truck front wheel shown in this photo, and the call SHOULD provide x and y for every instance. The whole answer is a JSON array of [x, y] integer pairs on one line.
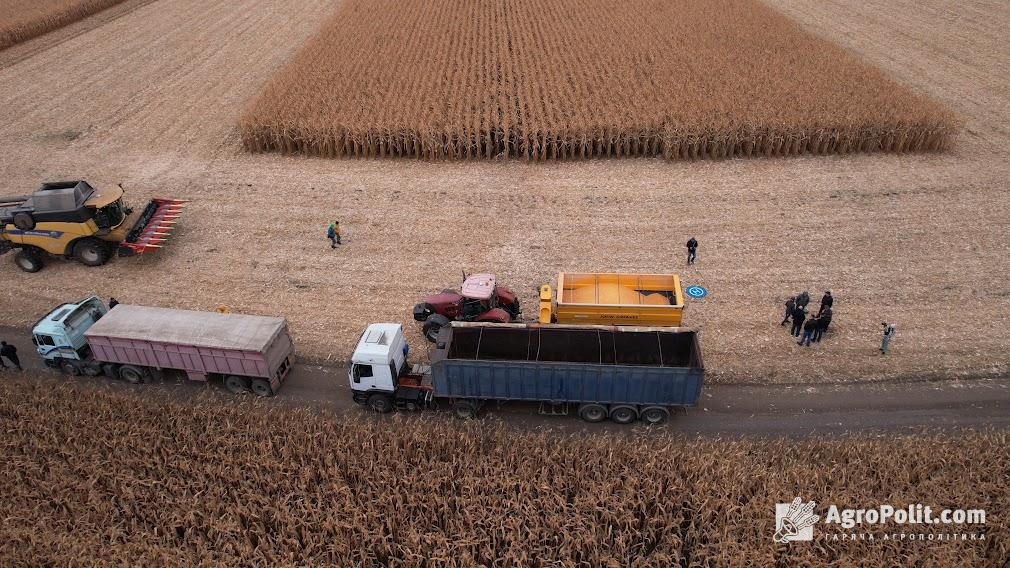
[[380, 403], [69, 368], [131, 374], [591, 412]]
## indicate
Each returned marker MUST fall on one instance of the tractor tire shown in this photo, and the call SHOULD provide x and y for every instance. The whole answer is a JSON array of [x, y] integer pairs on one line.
[[92, 252], [24, 220], [432, 325], [653, 415], [423, 311], [513, 309], [591, 412], [29, 261], [623, 414], [132, 374], [380, 403], [236, 384], [261, 387]]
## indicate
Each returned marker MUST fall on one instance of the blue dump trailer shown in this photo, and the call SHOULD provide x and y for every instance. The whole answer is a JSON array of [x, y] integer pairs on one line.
[[620, 373]]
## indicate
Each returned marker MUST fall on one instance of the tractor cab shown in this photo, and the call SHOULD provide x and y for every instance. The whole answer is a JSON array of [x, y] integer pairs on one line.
[[60, 333]]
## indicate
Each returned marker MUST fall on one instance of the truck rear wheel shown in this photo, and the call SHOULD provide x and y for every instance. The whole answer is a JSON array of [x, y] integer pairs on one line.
[[432, 325], [623, 414], [465, 409], [655, 415], [261, 387], [380, 403], [131, 374], [592, 412], [236, 384], [91, 252], [28, 260]]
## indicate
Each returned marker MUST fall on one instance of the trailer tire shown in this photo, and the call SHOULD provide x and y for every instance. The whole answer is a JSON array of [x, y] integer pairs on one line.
[[592, 412], [91, 251], [380, 403], [653, 415], [432, 325], [261, 387], [132, 374], [465, 409], [24, 220], [28, 260], [623, 414], [236, 384]]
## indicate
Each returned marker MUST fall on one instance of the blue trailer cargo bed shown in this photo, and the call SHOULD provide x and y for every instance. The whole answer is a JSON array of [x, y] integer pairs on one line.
[[611, 365]]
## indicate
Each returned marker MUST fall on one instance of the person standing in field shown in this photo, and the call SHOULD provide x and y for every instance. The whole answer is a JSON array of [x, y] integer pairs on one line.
[[803, 299], [790, 306], [10, 353], [823, 321], [827, 301], [333, 233], [113, 303], [885, 343], [692, 250], [799, 314], [809, 329]]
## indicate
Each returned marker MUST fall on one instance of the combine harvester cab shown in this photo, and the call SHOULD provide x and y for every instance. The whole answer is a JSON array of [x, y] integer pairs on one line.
[[74, 220]]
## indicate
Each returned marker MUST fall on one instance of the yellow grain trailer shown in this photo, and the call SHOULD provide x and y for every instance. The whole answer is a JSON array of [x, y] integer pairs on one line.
[[614, 299]]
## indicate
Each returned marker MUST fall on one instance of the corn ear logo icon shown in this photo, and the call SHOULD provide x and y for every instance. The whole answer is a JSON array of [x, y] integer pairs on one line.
[[793, 521]]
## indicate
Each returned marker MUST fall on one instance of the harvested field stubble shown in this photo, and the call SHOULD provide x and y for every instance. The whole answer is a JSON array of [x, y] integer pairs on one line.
[[95, 478], [585, 78], [21, 20]]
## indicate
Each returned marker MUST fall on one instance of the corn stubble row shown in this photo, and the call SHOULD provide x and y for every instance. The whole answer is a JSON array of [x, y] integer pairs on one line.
[[92, 478], [564, 79], [22, 20]]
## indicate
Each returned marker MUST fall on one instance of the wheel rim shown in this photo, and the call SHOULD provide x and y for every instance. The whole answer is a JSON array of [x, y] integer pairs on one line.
[[25, 263], [236, 385], [653, 416], [593, 414], [379, 404], [261, 388], [622, 416], [90, 254], [131, 376]]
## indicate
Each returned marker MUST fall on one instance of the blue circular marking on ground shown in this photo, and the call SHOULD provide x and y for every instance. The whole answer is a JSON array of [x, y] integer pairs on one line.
[[696, 291]]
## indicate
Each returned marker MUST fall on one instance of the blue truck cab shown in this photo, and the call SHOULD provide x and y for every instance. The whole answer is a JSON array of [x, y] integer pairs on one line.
[[59, 335]]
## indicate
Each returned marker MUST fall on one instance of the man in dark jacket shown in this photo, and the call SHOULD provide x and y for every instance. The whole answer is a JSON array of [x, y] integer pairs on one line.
[[692, 250], [10, 353], [823, 321], [809, 329], [803, 299], [790, 306], [799, 314], [827, 300]]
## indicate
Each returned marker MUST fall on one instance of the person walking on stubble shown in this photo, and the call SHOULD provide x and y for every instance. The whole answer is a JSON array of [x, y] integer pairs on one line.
[[10, 353], [790, 306], [885, 343], [799, 315], [692, 250], [333, 233]]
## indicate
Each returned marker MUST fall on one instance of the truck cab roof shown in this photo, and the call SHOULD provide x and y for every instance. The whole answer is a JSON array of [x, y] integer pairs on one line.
[[60, 318], [377, 344]]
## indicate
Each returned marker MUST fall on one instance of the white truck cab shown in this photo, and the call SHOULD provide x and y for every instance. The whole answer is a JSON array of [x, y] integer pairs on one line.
[[378, 358]]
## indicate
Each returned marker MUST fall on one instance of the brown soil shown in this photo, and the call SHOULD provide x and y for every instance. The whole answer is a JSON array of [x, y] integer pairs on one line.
[[151, 100]]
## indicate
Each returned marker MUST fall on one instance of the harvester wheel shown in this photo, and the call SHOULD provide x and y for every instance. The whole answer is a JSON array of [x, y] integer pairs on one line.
[[623, 414], [655, 415], [236, 384], [591, 412], [380, 403], [91, 252], [28, 261], [431, 326], [24, 221], [465, 409], [132, 375], [261, 387]]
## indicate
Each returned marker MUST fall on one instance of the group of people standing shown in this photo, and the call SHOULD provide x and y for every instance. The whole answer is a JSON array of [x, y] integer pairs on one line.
[[809, 328]]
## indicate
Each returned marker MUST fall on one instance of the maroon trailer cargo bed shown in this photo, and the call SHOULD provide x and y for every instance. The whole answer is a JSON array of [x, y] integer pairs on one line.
[[199, 343]]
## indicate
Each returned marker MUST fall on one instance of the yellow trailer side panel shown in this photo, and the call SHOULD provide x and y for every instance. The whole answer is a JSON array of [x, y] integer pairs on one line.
[[619, 299]]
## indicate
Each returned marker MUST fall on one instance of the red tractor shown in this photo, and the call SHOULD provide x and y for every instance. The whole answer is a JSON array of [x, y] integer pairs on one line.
[[480, 300]]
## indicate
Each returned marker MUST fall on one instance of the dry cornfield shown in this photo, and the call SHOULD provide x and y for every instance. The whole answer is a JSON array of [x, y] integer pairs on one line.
[[585, 78], [21, 20], [96, 478]]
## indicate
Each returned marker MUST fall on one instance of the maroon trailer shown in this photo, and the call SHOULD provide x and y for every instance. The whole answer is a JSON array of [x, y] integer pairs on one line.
[[247, 352]]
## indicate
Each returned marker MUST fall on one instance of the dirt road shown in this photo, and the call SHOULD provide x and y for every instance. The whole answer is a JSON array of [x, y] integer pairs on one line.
[[724, 410], [150, 99]]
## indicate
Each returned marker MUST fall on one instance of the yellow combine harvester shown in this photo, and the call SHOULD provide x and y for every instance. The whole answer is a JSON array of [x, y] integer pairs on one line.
[[74, 220], [614, 299]]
